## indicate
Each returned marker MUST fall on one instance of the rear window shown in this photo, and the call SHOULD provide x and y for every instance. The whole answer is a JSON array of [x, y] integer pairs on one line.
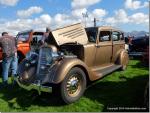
[[117, 36]]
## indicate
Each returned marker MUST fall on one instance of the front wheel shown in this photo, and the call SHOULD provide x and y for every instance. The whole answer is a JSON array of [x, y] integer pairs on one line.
[[73, 86]]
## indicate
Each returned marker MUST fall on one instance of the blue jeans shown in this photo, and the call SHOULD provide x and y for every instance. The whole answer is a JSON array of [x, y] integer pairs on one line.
[[9, 63]]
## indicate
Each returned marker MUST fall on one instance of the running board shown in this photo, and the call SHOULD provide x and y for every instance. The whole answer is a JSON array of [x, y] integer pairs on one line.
[[109, 69]]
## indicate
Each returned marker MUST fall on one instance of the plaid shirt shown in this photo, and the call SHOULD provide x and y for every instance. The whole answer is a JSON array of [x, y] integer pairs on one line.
[[8, 44]]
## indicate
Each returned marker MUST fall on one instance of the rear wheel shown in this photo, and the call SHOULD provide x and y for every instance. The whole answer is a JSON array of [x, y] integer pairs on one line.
[[73, 86]]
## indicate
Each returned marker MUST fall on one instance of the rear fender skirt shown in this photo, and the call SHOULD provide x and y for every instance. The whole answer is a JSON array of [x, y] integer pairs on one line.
[[124, 58], [118, 55]]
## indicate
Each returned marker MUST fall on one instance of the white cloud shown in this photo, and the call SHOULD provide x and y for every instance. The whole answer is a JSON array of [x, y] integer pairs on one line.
[[46, 19], [79, 4], [135, 4], [99, 13], [23, 24], [32, 10], [9, 2], [12, 27], [139, 18], [111, 20], [60, 20], [79, 7], [60, 17], [78, 13], [121, 17]]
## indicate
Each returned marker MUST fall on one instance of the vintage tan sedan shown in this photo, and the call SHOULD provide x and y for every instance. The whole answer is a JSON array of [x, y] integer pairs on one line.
[[73, 57]]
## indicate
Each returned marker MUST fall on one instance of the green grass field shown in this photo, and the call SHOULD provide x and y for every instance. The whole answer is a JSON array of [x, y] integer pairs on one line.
[[119, 89]]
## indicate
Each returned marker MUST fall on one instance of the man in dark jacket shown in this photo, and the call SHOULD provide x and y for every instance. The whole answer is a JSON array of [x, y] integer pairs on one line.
[[9, 50]]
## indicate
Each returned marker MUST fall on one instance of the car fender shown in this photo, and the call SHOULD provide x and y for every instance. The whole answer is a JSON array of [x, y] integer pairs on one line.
[[64, 66], [122, 57]]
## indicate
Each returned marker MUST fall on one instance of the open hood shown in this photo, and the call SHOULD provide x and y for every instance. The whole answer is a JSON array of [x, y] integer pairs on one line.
[[70, 34]]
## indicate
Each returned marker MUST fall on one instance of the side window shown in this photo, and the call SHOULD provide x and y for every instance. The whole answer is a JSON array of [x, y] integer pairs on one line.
[[116, 36], [104, 36]]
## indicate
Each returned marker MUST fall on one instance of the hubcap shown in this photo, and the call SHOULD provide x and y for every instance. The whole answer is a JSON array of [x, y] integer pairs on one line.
[[73, 85]]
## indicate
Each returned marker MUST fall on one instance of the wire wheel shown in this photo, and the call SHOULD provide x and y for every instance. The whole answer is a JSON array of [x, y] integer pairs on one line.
[[73, 85]]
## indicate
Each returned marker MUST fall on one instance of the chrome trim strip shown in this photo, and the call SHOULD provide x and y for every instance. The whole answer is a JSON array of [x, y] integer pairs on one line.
[[136, 53]]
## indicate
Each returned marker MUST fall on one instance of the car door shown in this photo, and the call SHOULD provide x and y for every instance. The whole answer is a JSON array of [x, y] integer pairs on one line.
[[118, 43], [103, 48]]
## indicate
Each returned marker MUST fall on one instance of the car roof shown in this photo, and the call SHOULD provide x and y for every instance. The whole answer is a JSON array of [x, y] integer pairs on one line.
[[34, 31], [107, 28]]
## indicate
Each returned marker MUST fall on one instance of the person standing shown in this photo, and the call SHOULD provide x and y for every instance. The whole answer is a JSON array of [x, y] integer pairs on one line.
[[45, 38], [9, 56], [130, 38]]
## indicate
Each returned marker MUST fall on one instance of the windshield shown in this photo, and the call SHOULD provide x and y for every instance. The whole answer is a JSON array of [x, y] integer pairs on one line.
[[23, 36], [92, 34]]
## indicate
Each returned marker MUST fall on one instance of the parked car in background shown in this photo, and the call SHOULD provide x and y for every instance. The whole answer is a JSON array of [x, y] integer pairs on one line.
[[73, 57], [27, 40], [138, 46]]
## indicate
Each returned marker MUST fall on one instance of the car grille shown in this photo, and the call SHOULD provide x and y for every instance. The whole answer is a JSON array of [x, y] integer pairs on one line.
[[42, 70]]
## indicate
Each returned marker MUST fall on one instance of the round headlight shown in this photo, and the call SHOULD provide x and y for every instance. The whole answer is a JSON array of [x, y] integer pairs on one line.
[[33, 61], [29, 54], [27, 64], [42, 67]]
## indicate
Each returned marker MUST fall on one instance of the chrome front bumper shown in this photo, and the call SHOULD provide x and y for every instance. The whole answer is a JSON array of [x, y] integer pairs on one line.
[[37, 87]]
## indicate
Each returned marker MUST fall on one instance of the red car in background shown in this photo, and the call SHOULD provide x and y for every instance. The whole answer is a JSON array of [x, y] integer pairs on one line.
[[27, 40]]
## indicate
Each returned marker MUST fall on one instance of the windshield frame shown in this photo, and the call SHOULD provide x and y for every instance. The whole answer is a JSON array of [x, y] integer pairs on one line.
[[24, 39], [92, 30]]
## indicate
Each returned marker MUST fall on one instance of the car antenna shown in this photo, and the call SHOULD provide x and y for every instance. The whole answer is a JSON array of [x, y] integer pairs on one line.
[[95, 20]]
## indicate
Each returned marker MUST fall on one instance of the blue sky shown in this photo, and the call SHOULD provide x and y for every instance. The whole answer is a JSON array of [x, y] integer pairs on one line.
[[128, 15]]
